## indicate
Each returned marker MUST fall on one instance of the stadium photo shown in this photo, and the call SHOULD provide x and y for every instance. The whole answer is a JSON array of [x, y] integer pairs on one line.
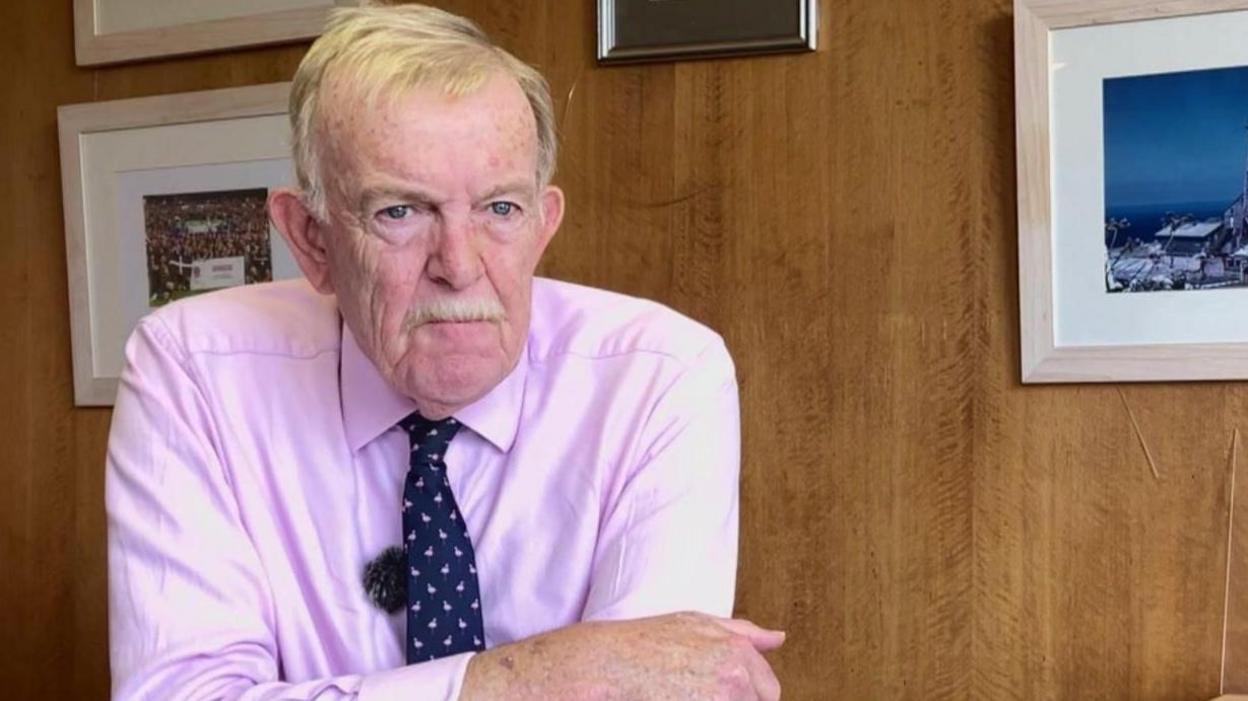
[[203, 241]]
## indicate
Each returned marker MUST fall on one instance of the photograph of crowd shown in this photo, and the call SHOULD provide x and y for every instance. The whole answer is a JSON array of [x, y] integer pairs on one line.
[[201, 241]]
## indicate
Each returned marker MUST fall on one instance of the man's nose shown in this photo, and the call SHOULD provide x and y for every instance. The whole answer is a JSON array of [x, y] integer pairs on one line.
[[455, 261]]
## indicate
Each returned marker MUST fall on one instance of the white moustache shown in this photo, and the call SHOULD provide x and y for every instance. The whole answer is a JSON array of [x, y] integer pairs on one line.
[[454, 309]]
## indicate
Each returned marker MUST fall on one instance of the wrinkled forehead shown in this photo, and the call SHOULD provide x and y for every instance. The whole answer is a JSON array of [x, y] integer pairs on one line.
[[359, 117], [370, 81]]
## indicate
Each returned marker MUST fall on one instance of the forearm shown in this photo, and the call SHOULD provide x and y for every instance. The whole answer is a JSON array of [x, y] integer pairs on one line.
[[222, 665], [534, 668], [334, 689], [676, 656], [231, 680]]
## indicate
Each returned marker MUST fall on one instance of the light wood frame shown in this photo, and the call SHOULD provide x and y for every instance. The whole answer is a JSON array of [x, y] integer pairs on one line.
[[76, 121], [1042, 359], [263, 27]]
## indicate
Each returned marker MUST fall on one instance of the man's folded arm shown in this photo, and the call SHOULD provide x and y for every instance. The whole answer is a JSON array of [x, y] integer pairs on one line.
[[670, 541], [191, 614], [667, 544]]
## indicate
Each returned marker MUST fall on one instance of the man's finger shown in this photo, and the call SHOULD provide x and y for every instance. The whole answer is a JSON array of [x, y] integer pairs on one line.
[[762, 639]]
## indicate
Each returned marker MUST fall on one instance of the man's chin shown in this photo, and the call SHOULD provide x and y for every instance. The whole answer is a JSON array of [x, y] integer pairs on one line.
[[451, 381]]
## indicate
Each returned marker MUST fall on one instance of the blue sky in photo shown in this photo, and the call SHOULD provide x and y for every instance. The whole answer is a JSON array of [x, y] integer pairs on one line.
[[1175, 137]]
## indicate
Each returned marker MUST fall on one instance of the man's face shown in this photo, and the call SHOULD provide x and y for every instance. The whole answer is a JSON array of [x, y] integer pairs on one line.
[[436, 226]]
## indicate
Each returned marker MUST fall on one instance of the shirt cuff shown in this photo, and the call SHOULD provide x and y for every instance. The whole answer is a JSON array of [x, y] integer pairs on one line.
[[437, 680]]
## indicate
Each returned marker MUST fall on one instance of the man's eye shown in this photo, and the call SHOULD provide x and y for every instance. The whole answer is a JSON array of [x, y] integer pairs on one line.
[[396, 212], [502, 209]]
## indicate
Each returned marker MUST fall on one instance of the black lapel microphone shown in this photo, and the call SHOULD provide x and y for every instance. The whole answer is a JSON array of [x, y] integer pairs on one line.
[[384, 582]]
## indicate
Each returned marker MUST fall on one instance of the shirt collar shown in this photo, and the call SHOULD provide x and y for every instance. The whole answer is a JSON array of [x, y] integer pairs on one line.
[[371, 406]]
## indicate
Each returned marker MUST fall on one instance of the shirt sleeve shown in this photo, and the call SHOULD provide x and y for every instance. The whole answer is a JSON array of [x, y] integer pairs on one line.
[[669, 542], [191, 614]]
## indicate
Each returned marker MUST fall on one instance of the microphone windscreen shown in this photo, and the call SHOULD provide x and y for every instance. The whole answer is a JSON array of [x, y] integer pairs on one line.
[[384, 582]]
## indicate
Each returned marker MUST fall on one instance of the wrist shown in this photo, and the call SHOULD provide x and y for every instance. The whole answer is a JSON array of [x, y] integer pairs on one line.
[[525, 671]]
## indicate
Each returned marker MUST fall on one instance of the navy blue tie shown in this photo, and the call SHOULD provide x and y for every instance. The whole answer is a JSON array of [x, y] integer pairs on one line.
[[443, 601]]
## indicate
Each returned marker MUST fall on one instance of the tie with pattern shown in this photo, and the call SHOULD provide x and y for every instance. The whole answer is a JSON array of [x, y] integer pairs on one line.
[[443, 602]]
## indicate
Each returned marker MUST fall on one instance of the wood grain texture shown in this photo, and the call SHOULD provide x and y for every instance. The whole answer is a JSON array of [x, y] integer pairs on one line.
[[1235, 641], [273, 27], [1035, 214], [923, 525]]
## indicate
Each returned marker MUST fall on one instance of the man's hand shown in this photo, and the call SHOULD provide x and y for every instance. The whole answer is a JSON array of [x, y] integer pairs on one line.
[[677, 656]]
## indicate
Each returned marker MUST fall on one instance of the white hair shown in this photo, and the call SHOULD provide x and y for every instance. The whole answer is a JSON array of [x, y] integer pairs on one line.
[[454, 309], [391, 49]]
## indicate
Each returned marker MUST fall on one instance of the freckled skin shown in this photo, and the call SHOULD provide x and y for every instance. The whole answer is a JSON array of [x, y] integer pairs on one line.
[[665, 658], [456, 153]]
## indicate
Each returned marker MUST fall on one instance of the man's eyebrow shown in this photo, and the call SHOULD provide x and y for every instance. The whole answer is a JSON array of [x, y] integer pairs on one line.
[[521, 187], [374, 194]]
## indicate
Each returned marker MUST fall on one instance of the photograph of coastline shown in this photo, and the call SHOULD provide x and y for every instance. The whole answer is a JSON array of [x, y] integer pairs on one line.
[[1176, 176]]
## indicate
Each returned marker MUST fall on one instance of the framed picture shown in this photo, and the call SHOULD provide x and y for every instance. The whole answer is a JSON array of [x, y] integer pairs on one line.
[[111, 31], [645, 30], [164, 198], [1132, 154]]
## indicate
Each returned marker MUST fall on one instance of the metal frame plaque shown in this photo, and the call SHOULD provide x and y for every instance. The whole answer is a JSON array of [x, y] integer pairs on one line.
[[654, 30]]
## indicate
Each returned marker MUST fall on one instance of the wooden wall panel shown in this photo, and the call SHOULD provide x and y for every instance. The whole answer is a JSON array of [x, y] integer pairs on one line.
[[1235, 643], [923, 525]]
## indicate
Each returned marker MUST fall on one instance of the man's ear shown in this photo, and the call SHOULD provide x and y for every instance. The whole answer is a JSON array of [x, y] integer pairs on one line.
[[304, 235], [552, 202]]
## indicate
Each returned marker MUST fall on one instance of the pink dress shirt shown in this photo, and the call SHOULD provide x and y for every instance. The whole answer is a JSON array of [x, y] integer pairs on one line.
[[254, 467]]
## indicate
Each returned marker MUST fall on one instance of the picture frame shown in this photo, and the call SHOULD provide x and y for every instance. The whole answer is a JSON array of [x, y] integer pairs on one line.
[[164, 197], [1074, 327], [631, 31], [115, 31]]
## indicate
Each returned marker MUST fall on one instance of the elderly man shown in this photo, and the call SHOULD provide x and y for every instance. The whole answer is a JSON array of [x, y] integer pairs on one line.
[[421, 473]]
